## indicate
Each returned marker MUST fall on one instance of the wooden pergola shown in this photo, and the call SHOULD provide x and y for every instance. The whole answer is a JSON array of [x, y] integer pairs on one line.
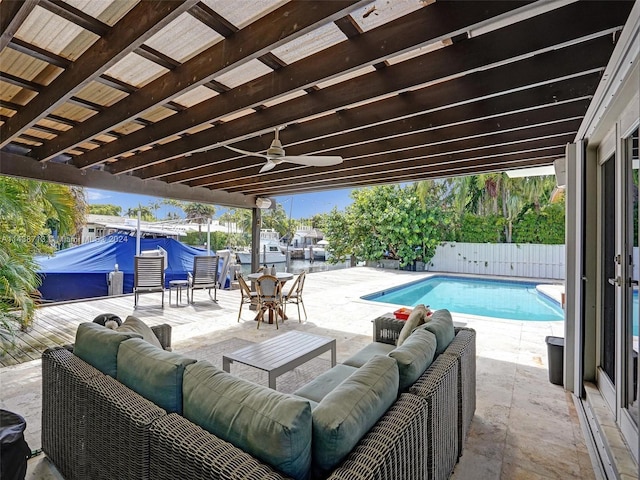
[[143, 96]]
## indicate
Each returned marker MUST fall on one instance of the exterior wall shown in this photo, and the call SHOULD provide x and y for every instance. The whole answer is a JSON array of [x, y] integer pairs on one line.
[[507, 259]]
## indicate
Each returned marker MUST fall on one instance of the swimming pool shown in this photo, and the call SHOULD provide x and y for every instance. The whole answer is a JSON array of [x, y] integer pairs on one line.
[[490, 298]]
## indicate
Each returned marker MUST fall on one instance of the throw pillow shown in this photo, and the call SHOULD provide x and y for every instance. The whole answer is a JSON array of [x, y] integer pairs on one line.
[[135, 325], [441, 325], [414, 356], [416, 319]]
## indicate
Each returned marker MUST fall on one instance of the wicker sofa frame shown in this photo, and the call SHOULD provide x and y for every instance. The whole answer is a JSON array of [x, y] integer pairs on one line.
[[93, 427]]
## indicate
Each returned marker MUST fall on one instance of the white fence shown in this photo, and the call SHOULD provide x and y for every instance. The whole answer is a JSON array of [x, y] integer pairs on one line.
[[508, 259]]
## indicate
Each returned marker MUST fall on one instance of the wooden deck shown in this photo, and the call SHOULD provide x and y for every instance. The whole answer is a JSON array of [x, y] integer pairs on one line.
[[56, 324]]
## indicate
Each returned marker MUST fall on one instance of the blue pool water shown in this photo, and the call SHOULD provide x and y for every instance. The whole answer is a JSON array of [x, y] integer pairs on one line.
[[489, 298]]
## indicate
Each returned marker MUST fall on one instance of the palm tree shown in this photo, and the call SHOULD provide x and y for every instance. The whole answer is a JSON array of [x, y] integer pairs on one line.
[[200, 213], [26, 207]]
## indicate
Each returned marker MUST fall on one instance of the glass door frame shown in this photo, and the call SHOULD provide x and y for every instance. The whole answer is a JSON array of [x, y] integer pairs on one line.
[[616, 393]]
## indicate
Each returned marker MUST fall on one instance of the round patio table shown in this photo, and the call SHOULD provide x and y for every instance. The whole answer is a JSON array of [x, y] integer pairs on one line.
[[282, 277]]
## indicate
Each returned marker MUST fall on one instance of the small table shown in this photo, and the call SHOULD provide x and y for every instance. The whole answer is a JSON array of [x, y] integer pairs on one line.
[[178, 285], [282, 354], [282, 277]]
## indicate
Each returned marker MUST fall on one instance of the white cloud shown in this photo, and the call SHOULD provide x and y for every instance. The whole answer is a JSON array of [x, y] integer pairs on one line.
[[96, 195]]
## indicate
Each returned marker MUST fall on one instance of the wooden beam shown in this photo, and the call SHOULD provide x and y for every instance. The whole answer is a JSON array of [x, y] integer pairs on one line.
[[456, 60], [472, 167], [394, 153], [78, 17], [441, 97], [420, 166], [13, 15], [138, 25], [471, 134], [20, 166], [39, 53], [278, 27], [420, 28]]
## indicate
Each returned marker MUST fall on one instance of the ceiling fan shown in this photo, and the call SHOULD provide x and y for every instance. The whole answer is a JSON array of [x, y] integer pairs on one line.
[[275, 155]]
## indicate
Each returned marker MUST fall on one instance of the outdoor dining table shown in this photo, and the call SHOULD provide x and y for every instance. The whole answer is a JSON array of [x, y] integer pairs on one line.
[[282, 277]]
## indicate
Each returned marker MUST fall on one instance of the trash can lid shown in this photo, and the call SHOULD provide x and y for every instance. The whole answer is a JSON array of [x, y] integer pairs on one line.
[[555, 341], [11, 427]]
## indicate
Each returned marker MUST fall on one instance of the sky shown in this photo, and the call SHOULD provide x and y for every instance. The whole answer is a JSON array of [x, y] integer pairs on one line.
[[297, 206]]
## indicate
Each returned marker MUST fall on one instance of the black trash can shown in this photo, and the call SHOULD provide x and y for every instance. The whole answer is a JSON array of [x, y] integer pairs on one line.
[[555, 351], [14, 450]]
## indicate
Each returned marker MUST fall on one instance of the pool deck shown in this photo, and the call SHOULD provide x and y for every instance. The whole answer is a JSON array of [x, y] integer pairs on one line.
[[524, 426]]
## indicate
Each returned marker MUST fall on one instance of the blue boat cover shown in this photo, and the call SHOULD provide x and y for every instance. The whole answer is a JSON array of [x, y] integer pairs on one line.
[[82, 271]]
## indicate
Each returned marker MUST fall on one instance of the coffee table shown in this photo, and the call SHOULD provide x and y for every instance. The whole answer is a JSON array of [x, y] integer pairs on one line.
[[281, 354]]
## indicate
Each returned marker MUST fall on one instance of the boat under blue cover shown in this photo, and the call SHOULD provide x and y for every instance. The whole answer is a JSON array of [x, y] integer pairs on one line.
[[82, 271]]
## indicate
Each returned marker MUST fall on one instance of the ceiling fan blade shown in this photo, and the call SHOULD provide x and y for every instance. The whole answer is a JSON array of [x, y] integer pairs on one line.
[[312, 160], [267, 166], [245, 152]]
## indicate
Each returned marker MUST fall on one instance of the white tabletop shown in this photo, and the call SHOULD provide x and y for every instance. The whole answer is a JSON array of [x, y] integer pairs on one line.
[[282, 276]]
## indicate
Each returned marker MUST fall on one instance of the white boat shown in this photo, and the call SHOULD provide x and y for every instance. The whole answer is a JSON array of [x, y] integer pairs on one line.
[[270, 252], [318, 249], [319, 252]]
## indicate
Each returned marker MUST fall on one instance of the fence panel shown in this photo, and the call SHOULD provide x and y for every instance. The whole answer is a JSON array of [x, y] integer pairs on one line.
[[508, 259]]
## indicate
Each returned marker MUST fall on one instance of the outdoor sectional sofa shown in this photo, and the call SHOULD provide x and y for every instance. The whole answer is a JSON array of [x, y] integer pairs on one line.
[[94, 426]]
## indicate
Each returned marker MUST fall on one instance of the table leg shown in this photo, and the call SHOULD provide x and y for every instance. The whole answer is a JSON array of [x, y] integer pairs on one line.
[[272, 381], [226, 364], [333, 353]]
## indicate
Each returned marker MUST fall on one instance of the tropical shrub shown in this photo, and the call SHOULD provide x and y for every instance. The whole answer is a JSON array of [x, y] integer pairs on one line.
[[546, 226]]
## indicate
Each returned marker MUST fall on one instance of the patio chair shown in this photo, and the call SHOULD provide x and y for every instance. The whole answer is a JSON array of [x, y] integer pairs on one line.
[[204, 276], [148, 276], [269, 291], [294, 295], [247, 296]]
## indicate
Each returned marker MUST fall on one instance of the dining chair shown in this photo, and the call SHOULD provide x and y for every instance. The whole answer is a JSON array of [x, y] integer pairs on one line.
[[204, 276], [247, 296], [148, 277], [294, 295], [269, 291]]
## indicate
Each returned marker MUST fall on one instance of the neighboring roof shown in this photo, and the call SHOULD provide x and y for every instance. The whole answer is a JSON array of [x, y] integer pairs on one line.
[[142, 96]]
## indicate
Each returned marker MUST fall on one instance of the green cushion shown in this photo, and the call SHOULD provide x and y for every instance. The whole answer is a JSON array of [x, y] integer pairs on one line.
[[414, 356], [416, 319], [135, 325], [346, 414], [98, 346], [324, 383], [367, 353], [441, 325], [271, 426], [153, 373]]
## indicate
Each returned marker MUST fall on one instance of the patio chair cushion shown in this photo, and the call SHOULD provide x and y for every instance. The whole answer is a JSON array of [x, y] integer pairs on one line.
[[152, 372], [417, 318], [272, 426], [134, 324], [98, 346], [441, 325], [414, 356], [367, 353], [346, 414], [319, 387]]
